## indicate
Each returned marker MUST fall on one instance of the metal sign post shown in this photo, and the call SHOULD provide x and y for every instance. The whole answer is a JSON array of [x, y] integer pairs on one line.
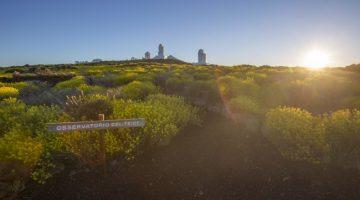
[[102, 145]]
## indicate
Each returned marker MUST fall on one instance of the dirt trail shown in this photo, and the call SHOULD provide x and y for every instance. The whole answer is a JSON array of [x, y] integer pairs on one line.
[[218, 161]]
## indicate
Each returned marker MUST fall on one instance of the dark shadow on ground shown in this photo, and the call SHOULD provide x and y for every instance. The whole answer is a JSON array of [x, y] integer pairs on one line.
[[217, 161]]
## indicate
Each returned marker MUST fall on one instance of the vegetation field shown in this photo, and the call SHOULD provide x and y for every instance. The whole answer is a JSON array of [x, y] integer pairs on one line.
[[211, 132]]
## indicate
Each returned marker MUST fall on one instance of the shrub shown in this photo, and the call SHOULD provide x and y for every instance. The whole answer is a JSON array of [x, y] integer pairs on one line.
[[231, 87], [87, 89], [23, 138], [138, 90], [125, 78], [87, 107], [40, 93], [15, 146], [158, 126], [244, 104], [164, 115], [104, 81], [33, 93], [119, 143], [18, 156], [201, 92], [176, 82], [343, 136], [17, 85], [24, 141], [182, 113], [248, 87], [10, 110], [114, 92], [297, 134], [6, 92], [84, 144], [72, 83], [30, 120]]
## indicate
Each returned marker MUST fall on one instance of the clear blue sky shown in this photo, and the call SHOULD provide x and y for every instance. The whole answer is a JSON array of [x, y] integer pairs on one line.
[[276, 32]]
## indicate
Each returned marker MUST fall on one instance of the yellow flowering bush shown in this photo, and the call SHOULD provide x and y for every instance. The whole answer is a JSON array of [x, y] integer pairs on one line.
[[297, 134], [165, 116], [6, 92], [75, 82], [137, 90], [343, 136], [244, 104]]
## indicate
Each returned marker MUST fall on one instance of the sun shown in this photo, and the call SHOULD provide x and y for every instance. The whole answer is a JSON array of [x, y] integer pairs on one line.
[[316, 59]]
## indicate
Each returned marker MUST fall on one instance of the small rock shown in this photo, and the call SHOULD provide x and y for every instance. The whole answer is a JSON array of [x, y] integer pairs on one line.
[[285, 179], [201, 193]]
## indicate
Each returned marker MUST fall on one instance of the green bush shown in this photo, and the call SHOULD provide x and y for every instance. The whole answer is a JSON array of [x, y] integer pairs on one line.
[[84, 144], [18, 157], [10, 110], [138, 90], [15, 146], [200, 92], [7, 92], [244, 104], [109, 80], [125, 78], [164, 115], [75, 82], [23, 141], [17, 85], [182, 113], [158, 127], [87, 107], [43, 94], [231, 87], [87, 89], [30, 120], [343, 136], [297, 134]]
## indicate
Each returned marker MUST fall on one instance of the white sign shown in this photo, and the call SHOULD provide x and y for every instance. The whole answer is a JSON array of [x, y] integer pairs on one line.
[[93, 125]]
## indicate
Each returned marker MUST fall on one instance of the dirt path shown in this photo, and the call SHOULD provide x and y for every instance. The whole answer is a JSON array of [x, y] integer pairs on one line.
[[218, 161]]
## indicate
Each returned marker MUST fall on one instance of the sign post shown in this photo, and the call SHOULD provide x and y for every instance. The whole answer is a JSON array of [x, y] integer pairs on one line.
[[101, 125], [102, 144]]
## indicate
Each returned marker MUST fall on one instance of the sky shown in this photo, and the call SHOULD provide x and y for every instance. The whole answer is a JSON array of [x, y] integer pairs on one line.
[[276, 32]]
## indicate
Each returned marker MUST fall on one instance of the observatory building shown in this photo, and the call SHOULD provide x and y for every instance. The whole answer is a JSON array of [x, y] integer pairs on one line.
[[160, 55], [201, 57], [147, 55]]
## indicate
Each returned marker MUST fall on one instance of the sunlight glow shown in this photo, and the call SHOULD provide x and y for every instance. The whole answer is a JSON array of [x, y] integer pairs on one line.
[[316, 59]]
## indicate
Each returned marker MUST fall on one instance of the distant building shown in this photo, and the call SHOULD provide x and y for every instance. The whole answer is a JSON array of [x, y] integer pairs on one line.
[[80, 62], [147, 55], [160, 55], [201, 57], [96, 60], [161, 51]]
